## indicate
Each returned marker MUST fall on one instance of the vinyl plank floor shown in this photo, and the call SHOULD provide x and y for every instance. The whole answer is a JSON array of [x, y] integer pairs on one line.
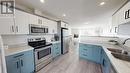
[[70, 63]]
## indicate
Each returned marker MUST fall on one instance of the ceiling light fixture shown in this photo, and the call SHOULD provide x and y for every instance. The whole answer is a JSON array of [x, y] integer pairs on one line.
[[86, 23], [42, 1], [102, 3], [64, 15]]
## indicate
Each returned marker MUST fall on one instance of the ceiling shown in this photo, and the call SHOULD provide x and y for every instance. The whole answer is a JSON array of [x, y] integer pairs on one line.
[[78, 12]]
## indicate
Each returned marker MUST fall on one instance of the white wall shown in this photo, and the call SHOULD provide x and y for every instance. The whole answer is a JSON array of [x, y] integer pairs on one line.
[[20, 39]]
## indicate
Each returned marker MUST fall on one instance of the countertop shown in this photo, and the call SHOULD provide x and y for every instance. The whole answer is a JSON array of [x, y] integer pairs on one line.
[[53, 42], [14, 49], [119, 65]]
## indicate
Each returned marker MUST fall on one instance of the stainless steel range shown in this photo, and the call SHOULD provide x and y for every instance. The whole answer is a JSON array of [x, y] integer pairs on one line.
[[42, 50]]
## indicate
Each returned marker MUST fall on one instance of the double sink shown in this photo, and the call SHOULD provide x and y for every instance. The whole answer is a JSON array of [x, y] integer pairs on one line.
[[120, 54]]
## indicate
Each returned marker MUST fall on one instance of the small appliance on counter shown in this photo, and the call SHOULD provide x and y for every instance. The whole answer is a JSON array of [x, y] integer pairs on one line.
[[42, 50], [56, 37]]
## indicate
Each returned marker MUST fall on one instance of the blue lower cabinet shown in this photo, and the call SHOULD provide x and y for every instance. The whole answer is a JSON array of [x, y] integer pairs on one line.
[[106, 65], [90, 52], [20, 63], [56, 50]]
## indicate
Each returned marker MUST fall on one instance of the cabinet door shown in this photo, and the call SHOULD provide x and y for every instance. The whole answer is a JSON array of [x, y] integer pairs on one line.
[[13, 64], [21, 22], [27, 62], [84, 51], [52, 25], [96, 53], [7, 25], [33, 19], [128, 8], [106, 64]]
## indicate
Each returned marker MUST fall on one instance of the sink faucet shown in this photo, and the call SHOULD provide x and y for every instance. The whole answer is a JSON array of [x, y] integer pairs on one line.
[[125, 40]]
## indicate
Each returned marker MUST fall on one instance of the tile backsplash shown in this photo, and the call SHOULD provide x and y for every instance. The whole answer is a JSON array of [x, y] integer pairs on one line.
[[20, 39]]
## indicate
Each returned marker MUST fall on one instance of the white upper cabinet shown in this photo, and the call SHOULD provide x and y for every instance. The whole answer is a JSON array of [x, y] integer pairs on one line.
[[115, 19], [128, 8], [33, 19], [7, 26], [52, 26], [64, 25], [21, 22], [122, 16]]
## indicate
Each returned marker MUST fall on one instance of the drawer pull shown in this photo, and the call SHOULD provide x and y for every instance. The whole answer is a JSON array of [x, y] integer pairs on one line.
[[85, 55], [85, 49], [19, 55]]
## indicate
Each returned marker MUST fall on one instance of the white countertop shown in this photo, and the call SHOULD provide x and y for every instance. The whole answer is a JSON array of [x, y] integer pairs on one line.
[[119, 65], [53, 42], [17, 49]]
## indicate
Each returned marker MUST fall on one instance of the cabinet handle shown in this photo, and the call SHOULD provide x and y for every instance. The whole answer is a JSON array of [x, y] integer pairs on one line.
[[12, 28], [85, 55], [85, 49], [116, 29], [129, 13], [16, 28], [126, 14], [17, 63], [22, 63]]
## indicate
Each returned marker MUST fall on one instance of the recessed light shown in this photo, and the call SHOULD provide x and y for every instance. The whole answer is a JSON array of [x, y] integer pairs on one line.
[[64, 15], [42, 1], [102, 3], [86, 23]]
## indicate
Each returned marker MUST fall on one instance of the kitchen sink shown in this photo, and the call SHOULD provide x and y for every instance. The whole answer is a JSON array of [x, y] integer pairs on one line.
[[120, 54]]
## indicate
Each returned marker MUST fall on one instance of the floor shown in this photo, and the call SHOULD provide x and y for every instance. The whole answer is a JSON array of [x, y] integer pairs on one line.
[[70, 63]]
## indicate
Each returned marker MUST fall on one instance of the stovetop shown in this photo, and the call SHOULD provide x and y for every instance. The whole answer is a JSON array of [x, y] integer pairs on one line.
[[37, 45]]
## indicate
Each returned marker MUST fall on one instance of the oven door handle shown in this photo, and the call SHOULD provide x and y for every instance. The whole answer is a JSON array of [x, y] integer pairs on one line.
[[39, 49]]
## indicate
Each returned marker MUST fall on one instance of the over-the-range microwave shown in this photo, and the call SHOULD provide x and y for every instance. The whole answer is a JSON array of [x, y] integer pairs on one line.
[[37, 29]]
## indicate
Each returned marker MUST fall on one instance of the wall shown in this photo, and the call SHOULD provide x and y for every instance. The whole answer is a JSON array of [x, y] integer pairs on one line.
[[20, 39], [96, 39]]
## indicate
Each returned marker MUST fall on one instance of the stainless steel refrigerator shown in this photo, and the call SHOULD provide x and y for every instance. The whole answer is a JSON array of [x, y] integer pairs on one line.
[[64, 40]]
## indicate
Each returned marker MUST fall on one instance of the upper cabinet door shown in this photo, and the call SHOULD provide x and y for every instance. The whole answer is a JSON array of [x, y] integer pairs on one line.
[[7, 25], [33, 19], [52, 26], [128, 8], [64, 25], [21, 22]]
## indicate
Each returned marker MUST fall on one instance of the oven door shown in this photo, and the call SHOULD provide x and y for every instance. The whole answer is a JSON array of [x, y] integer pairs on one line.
[[42, 54]]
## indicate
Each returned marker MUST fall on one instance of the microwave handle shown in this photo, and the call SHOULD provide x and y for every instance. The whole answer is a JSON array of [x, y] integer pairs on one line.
[[129, 13]]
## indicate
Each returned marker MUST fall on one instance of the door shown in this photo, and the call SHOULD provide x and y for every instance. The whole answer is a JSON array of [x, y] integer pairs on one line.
[[65, 44], [13, 64], [33, 19], [7, 25], [96, 53], [27, 62], [21, 22]]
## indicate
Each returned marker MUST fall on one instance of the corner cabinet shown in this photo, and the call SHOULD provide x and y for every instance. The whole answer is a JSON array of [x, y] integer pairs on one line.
[[56, 50], [90, 52], [20, 63]]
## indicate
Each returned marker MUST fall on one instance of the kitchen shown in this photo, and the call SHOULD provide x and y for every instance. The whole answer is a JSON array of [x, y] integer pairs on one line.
[[44, 36]]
